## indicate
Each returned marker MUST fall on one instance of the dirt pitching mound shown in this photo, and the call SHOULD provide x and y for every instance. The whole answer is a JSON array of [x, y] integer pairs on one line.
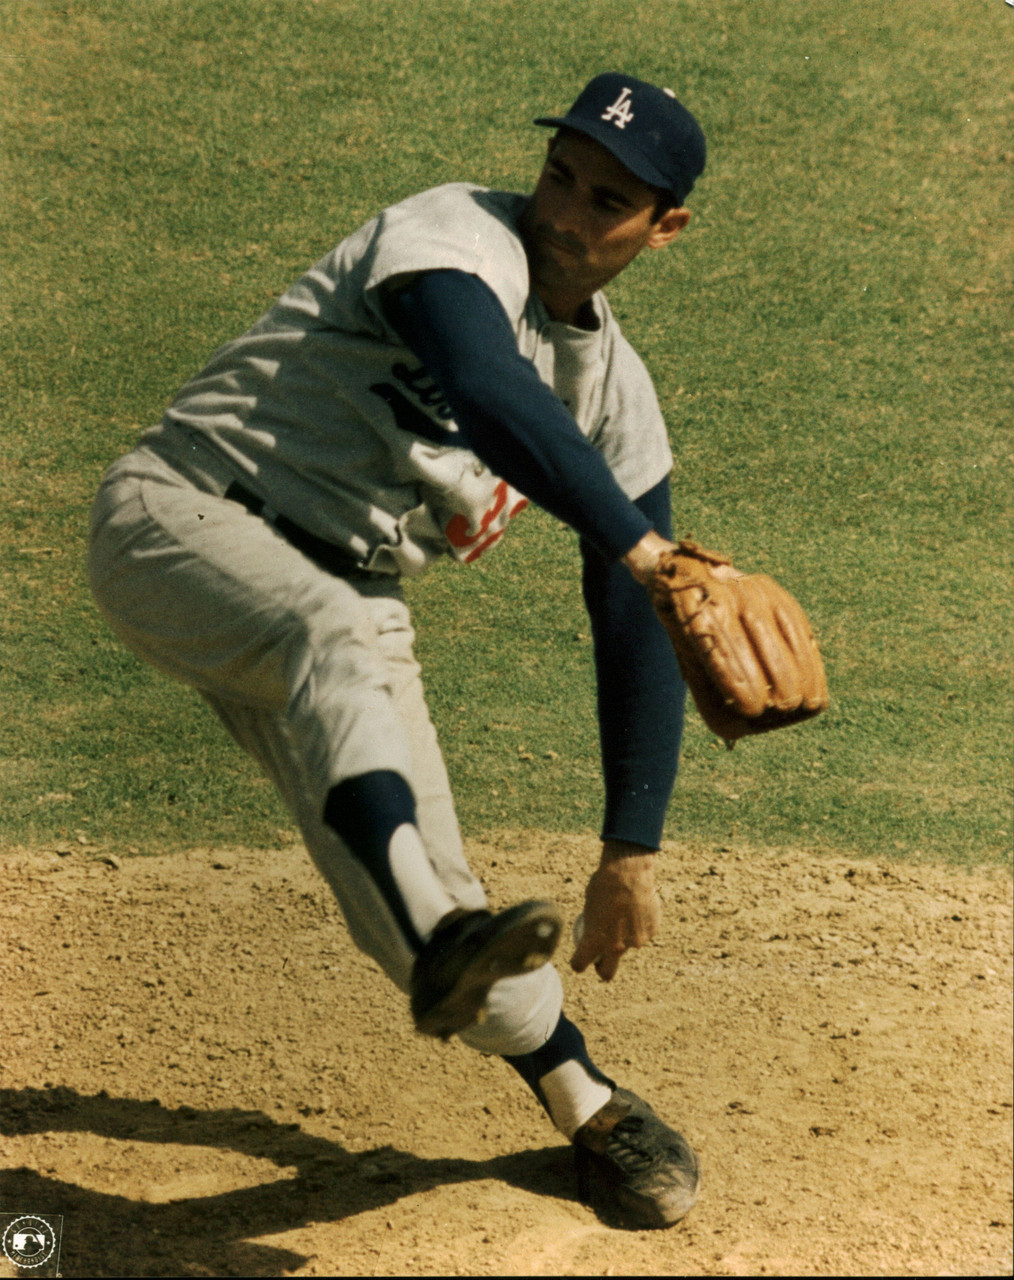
[[205, 1079]]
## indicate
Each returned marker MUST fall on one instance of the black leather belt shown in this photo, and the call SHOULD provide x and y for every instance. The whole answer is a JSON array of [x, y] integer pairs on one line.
[[326, 555]]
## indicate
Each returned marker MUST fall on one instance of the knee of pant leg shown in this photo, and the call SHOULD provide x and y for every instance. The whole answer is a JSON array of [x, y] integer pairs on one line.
[[521, 1014]]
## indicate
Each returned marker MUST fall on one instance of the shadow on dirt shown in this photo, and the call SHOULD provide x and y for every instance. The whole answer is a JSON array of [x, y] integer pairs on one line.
[[110, 1235]]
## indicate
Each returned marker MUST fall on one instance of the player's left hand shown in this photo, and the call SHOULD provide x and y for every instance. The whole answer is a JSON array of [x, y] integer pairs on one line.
[[621, 908]]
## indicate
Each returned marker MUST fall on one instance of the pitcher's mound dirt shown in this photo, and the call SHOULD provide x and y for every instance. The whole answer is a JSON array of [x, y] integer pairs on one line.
[[204, 1079]]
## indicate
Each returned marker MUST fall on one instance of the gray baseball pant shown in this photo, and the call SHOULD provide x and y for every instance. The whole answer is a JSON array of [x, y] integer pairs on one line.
[[313, 674]]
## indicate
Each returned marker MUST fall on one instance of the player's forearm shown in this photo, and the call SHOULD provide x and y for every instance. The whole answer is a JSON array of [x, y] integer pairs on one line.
[[515, 423], [641, 694]]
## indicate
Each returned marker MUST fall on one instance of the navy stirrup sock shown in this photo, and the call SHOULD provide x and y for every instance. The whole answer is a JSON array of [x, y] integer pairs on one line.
[[366, 812], [566, 1044]]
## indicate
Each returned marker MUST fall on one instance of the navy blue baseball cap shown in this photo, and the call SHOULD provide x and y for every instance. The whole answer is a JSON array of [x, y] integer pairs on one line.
[[645, 128]]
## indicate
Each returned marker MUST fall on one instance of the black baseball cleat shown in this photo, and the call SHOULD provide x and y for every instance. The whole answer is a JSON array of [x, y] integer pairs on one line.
[[631, 1165], [457, 966]]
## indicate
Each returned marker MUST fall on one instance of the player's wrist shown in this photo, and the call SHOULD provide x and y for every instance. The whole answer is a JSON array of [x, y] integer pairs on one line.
[[642, 558], [625, 850]]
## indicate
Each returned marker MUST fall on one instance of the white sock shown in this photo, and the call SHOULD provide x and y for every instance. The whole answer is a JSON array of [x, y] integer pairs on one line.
[[425, 898], [572, 1096]]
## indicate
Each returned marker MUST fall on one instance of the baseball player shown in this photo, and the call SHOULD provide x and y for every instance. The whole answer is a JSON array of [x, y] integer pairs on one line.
[[442, 367]]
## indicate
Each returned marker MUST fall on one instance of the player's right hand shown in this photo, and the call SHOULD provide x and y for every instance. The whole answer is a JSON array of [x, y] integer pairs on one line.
[[621, 909]]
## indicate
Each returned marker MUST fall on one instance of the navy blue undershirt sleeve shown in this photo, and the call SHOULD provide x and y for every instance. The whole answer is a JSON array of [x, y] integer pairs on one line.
[[454, 323], [641, 694]]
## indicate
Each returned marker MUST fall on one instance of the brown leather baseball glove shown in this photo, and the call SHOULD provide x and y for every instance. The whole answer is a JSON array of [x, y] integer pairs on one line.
[[743, 643]]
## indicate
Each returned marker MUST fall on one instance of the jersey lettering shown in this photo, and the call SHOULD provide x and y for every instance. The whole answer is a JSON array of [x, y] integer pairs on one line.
[[425, 389], [620, 113], [407, 413], [460, 534], [409, 417]]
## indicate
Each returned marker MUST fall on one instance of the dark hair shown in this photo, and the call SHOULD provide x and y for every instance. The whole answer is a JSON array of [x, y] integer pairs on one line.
[[664, 200]]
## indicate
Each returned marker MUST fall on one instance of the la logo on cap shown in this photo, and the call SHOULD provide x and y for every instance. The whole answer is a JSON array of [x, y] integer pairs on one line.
[[620, 113]]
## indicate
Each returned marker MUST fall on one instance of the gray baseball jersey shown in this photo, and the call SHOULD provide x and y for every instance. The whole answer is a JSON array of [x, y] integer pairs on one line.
[[332, 420]]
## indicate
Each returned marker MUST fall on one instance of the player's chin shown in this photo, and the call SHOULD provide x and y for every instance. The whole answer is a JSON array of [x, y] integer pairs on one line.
[[564, 278], [549, 271]]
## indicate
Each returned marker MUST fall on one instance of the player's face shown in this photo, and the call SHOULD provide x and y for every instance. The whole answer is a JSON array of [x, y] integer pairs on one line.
[[587, 219]]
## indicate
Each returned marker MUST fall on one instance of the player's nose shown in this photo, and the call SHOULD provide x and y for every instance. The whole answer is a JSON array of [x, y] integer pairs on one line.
[[562, 238], [560, 214], [567, 223]]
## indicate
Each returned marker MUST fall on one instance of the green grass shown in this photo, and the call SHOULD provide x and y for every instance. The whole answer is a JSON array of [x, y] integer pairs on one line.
[[831, 341]]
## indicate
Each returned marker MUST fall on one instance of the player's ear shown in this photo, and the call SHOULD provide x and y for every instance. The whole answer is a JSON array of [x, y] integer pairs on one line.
[[668, 227]]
